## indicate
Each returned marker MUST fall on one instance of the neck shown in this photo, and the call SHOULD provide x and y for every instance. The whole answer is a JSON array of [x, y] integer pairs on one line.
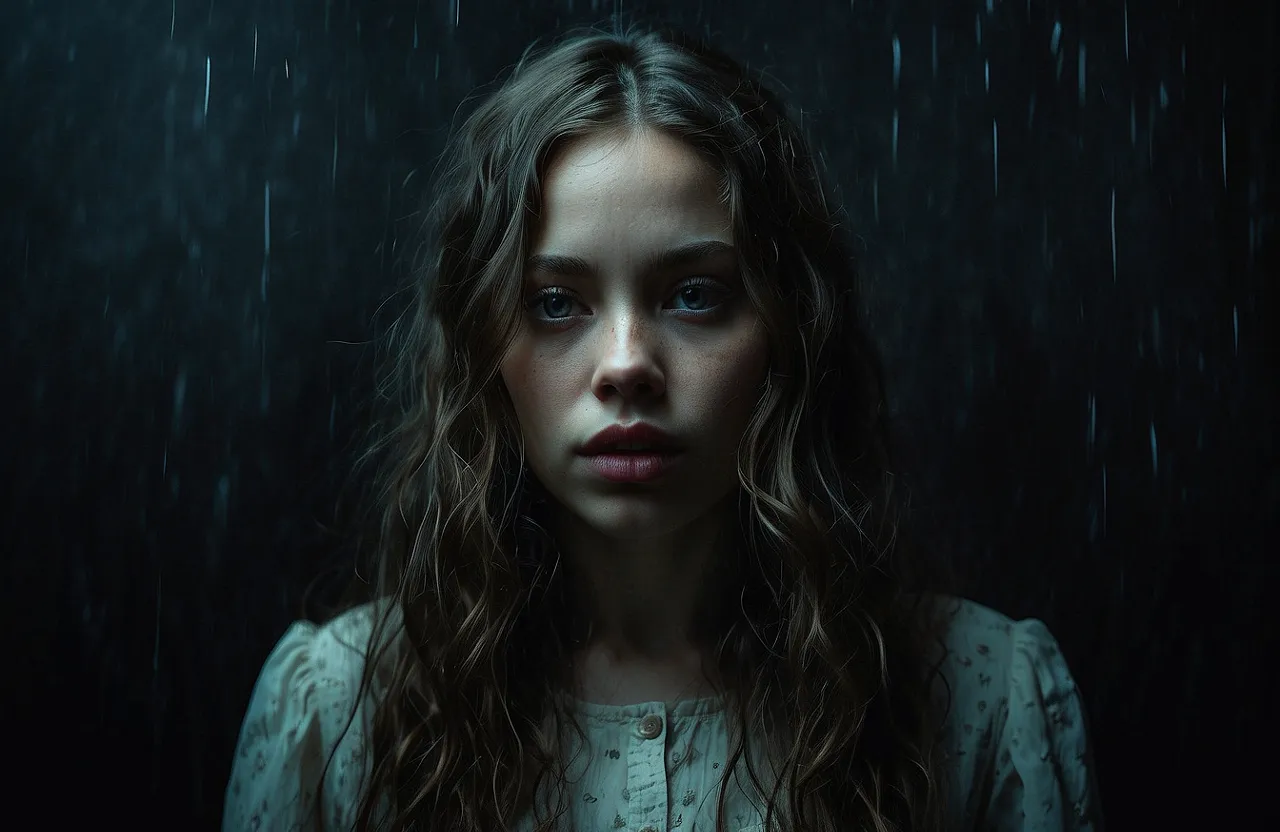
[[655, 599]]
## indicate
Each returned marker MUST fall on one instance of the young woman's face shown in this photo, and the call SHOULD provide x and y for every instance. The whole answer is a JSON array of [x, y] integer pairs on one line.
[[619, 340]]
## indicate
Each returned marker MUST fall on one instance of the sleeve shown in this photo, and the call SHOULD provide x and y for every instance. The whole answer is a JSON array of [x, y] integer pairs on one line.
[[1043, 778], [299, 708]]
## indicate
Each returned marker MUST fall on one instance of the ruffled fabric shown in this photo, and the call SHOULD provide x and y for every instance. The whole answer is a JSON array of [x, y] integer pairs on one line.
[[298, 713], [1043, 776]]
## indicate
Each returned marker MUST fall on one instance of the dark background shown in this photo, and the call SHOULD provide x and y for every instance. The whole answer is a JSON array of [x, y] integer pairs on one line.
[[1077, 307]]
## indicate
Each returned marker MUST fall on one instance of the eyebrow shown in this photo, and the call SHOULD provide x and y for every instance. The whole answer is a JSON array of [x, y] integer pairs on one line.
[[570, 266]]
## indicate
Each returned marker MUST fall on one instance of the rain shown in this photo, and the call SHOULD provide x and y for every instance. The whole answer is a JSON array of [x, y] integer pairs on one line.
[[1097, 455]]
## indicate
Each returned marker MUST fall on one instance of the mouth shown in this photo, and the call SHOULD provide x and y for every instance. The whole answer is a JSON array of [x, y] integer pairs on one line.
[[637, 437]]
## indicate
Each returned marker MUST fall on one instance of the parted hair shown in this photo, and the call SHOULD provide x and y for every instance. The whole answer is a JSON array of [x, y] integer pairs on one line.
[[830, 652]]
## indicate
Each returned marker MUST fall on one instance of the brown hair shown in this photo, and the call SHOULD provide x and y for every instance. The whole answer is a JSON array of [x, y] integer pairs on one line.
[[831, 640]]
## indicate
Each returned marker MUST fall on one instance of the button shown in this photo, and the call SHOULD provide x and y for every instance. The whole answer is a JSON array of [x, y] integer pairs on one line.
[[649, 829], [650, 727]]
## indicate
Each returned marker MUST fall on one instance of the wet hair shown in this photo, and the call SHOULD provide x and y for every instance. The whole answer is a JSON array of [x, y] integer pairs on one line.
[[827, 653]]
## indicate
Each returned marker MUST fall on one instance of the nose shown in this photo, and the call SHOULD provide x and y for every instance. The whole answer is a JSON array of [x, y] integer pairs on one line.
[[630, 365]]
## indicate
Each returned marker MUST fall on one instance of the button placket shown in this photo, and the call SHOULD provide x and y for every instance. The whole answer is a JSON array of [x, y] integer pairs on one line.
[[647, 773]]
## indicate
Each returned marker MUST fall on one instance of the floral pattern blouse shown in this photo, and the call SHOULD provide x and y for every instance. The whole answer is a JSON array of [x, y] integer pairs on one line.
[[1016, 738]]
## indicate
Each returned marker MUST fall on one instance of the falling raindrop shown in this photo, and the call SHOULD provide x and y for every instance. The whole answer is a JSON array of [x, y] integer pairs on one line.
[[1113, 235], [995, 155], [1126, 31], [1055, 38], [986, 75], [179, 399], [1224, 135], [895, 138], [1235, 329], [266, 236], [1104, 501], [1093, 421], [1081, 73], [254, 73], [1155, 456], [208, 74], [333, 172], [875, 195], [977, 28], [897, 62]]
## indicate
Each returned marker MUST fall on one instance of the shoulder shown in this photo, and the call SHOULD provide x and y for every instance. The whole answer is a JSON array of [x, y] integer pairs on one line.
[[990, 656], [1016, 729], [320, 666], [302, 729]]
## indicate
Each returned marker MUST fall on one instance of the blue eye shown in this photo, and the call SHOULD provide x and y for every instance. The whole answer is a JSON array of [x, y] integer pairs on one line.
[[693, 292], [555, 297], [696, 289]]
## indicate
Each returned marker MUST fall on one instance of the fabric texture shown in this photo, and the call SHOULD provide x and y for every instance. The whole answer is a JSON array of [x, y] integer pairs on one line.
[[1016, 738]]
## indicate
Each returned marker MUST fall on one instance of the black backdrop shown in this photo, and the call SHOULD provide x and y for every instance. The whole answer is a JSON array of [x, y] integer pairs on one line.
[[1066, 214]]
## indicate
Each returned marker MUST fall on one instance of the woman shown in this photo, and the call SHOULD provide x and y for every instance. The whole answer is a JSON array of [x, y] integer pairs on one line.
[[639, 565]]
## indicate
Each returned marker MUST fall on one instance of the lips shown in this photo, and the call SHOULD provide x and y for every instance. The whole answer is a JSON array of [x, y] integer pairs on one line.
[[634, 449], [633, 467], [635, 438]]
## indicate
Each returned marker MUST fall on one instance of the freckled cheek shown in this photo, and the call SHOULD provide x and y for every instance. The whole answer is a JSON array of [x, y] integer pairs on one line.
[[730, 384]]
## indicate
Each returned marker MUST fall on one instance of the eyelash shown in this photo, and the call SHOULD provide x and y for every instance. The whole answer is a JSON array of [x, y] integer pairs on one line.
[[697, 282]]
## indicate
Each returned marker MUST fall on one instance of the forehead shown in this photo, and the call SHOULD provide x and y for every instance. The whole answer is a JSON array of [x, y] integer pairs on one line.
[[613, 189]]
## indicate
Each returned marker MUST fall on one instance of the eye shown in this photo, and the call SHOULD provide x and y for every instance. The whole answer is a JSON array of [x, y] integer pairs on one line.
[[554, 304], [552, 301]]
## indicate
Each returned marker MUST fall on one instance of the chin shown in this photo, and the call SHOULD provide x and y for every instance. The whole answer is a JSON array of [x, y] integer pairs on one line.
[[641, 515], [636, 521]]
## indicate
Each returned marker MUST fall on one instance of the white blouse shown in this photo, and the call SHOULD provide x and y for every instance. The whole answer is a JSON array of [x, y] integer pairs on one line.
[[1016, 737]]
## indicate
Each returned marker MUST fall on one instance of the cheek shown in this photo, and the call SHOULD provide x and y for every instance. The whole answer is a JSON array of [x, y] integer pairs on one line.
[[537, 395], [733, 381], [518, 377]]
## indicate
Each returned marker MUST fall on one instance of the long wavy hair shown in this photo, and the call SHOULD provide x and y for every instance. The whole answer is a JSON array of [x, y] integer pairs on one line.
[[832, 643]]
